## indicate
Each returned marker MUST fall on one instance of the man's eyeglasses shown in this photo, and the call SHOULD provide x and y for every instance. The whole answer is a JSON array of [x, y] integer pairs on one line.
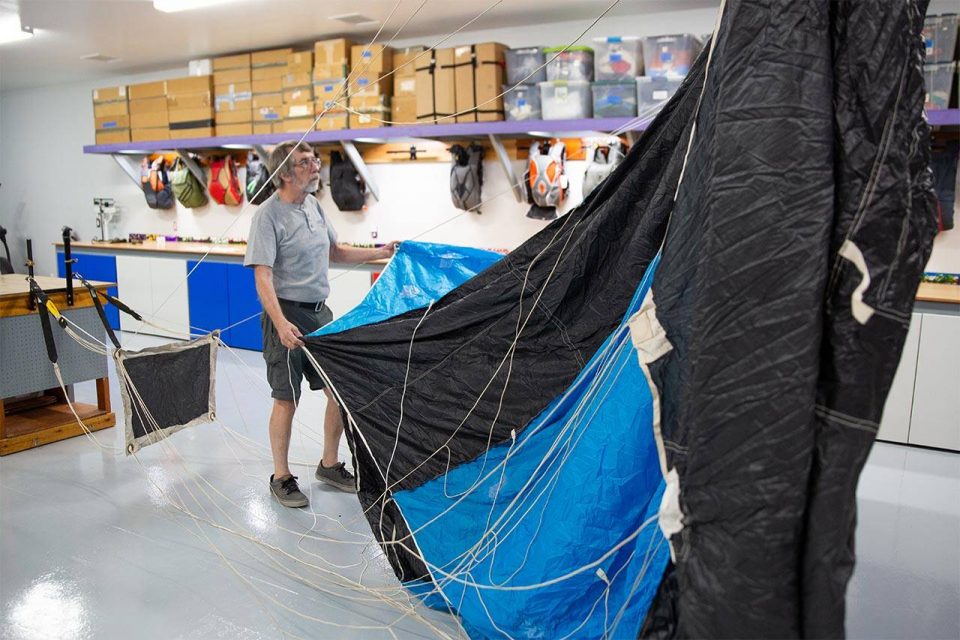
[[306, 162]]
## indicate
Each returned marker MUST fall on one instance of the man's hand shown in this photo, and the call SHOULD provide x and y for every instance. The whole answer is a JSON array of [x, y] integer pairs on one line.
[[290, 335], [389, 249]]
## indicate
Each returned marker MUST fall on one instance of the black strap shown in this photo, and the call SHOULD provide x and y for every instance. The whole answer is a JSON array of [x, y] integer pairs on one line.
[[96, 303], [44, 313], [119, 305]]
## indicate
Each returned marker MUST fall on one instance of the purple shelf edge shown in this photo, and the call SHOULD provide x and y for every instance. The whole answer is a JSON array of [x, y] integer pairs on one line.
[[466, 129], [944, 117]]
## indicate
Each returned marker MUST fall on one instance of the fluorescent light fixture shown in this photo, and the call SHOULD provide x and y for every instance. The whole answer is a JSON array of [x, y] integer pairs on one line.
[[10, 29], [235, 146], [172, 6], [371, 140]]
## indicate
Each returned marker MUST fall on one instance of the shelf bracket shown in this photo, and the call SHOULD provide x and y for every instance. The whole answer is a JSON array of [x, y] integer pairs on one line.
[[357, 161], [192, 165], [261, 153], [507, 166], [130, 166]]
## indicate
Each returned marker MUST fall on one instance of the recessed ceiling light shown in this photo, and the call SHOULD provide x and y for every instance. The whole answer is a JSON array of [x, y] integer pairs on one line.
[[99, 57], [353, 18], [172, 6], [11, 30]]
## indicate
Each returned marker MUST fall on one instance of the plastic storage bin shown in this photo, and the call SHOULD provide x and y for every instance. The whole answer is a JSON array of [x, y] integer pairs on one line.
[[522, 62], [615, 99], [940, 37], [654, 92], [561, 100], [573, 65], [670, 56], [617, 58], [522, 102], [939, 80]]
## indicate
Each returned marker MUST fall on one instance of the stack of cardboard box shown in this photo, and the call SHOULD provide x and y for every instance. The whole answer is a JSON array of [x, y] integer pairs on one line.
[[436, 100], [267, 69], [148, 111], [297, 83], [478, 81], [190, 107], [369, 89], [403, 107], [331, 63], [233, 95], [111, 115]]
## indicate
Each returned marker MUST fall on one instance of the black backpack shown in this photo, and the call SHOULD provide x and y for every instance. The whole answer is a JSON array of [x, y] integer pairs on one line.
[[258, 180], [466, 176], [346, 185], [156, 185]]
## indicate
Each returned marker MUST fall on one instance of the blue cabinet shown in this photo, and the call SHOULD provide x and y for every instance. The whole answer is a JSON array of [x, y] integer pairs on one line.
[[220, 296], [95, 267]]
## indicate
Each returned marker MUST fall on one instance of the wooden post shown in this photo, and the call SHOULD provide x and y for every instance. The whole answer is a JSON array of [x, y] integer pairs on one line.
[[103, 394], [3, 421]]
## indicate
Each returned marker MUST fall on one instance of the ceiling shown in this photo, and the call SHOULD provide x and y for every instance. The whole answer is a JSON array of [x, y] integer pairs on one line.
[[143, 39]]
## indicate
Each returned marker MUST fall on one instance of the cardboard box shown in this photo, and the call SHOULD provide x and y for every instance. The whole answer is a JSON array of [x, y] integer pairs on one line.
[[371, 120], [238, 129], [110, 94], [336, 51], [233, 91], [112, 136], [105, 109], [147, 90], [262, 100], [325, 72], [478, 67], [149, 120], [268, 114], [403, 110], [196, 132], [296, 125], [153, 133], [231, 76], [268, 73], [237, 61], [189, 84], [436, 95], [299, 95], [270, 85], [299, 110], [298, 79], [202, 116], [260, 128], [112, 122], [189, 100], [148, 105], [371, 85], [405, 85], [370, 103], [270, 58], [333, 122], [233, 116], [374, 58], [405, 60], [300, 62]]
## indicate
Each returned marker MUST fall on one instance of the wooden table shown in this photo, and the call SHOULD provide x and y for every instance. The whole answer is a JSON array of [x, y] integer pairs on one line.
[[34, 410]]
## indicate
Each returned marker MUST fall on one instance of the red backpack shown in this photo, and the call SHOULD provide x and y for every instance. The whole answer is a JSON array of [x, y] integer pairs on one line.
[[224, 183]]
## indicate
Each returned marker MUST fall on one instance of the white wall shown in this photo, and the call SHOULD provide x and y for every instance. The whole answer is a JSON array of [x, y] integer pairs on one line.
[[48, 182]]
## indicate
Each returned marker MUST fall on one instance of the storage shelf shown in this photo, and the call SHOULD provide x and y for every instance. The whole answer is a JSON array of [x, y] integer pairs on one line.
[[507, 128], [522, 128]]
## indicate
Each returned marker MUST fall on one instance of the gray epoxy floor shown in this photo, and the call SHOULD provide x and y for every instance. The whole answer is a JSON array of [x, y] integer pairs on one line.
[[91, 546]]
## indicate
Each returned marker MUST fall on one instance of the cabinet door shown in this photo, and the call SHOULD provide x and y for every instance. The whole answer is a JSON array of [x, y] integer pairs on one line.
[[348, 287], [243, 304], [208, 296], [895, 425], [171, 307], [935, 420], [134, 290], [95, 267]]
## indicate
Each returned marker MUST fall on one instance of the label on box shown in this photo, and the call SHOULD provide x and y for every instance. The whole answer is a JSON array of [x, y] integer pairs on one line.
[[364, 119], [299, 110], [407, 85], [661, 95]]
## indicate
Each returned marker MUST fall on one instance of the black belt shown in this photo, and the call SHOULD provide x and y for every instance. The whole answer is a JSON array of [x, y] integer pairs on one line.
[[314, 306]]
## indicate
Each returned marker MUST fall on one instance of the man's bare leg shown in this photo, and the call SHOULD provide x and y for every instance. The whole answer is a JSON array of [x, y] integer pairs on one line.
[[332, 430], [281, 424]]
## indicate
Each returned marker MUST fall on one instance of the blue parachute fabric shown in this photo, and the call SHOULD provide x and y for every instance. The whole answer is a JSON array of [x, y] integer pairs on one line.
[[418, 274], [577, 492]]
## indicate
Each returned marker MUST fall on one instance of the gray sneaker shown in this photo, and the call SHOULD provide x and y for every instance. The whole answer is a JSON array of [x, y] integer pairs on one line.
[[337, 476], [288, 492]]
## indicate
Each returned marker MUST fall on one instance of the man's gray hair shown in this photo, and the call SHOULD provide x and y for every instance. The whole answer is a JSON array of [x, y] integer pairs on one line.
[[282, 154]]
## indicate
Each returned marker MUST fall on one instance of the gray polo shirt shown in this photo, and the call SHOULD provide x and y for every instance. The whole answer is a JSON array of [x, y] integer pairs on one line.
[[294, 240]]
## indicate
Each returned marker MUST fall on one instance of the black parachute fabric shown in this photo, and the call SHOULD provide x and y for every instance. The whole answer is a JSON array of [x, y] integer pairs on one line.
[[769, 337]]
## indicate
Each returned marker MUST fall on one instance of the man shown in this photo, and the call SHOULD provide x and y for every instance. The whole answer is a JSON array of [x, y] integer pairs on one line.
[[290, 247]]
